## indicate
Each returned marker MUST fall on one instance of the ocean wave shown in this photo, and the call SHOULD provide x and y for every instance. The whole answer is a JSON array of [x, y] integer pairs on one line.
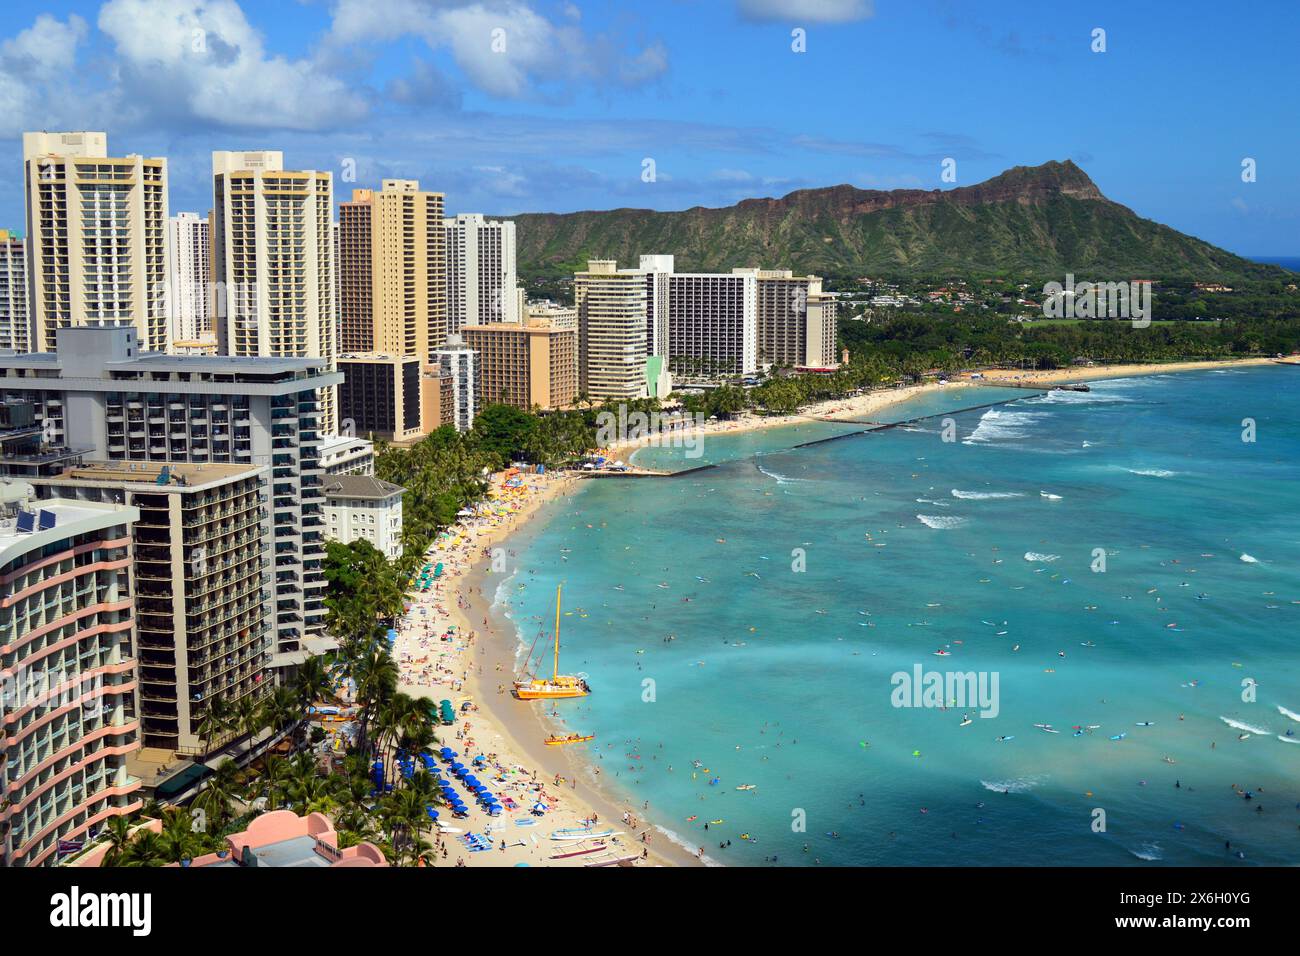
[[985, 495], [1249, 559], [687, 845], [1014, 785], [1000, 425], [1149, 852], [780, 479], [1287, 713], [1151, 472], [1093, 397], [1242, 725], [941, 522], [1035, 556], [1048, 496]]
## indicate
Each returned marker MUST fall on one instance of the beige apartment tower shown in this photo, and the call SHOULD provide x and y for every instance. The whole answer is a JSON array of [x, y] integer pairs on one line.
[[97, 237], [392, 271], [796, 321], [529, 364], [273, 262]]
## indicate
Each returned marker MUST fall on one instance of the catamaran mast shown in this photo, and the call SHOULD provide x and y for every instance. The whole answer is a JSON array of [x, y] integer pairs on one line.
[[556, 672]]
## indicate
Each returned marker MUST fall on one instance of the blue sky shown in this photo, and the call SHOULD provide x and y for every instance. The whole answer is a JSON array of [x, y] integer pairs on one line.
[[577, 94]]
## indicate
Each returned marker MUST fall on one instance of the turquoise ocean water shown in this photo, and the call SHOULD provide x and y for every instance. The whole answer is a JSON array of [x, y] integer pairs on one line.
[[782, 678]]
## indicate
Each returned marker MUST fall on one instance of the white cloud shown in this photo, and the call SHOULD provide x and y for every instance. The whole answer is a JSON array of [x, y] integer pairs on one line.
[[202, 59], [504, 47], [809, 11], [45, 48], [35, 70]]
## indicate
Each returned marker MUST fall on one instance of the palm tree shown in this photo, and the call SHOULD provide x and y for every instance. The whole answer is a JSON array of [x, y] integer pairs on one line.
[[312, 792], [146, 849], [247, 719], [279, 708], [217, 795], [275, 774], [313, 681], [216, 720], [118, 832], [178, 841], [375, 674]]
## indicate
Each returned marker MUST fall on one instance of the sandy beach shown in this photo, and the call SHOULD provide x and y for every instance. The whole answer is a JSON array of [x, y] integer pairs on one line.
[[452, 645], [1085, 373]]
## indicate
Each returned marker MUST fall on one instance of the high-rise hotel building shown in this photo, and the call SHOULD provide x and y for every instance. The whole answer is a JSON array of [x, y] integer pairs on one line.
[[796, 321], [189, 278], [97, 237], [392, 307], [713, 324], [15, 322], [529, 364], [392, 271], [613, 310], [101, 397], [481, 276], [201, 587], [68, 718], [273, 261]]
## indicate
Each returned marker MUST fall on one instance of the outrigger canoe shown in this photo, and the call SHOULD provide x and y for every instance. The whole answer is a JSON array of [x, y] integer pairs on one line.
[[556, 741], [570, 834]]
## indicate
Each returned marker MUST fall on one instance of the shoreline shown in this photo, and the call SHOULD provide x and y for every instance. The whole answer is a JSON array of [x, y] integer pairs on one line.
[[849, 410], [481, 655], [515, 730], [1017, 377], [525, 724]]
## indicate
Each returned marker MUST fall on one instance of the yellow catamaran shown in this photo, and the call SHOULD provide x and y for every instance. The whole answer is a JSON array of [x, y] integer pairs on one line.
[[557, 685]]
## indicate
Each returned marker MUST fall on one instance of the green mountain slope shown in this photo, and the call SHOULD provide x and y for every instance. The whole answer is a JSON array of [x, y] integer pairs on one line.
[[1042, 220]]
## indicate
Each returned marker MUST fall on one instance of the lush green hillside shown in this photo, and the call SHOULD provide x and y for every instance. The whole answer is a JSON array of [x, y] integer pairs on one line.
[[1043, 220]]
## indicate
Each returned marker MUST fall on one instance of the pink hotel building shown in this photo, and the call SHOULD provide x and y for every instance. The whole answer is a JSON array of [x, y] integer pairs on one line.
[[68, 715]]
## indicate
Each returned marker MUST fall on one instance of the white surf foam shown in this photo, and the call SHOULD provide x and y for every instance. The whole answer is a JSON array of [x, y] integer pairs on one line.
[[1000, 425], [1242, 725], [985, 495], [1287, 713], [1093, 397], [1035, 556], [780, 479], [941, 522], [1249, 559], [1014, 785], [1148, 851], [1152, 472], [686, 845]]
